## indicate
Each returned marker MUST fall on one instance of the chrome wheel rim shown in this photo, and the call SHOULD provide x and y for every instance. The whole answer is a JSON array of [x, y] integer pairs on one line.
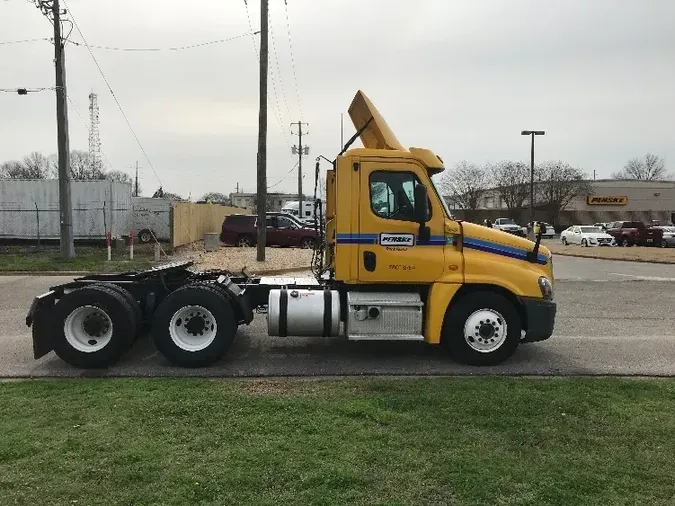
[[485, 330]]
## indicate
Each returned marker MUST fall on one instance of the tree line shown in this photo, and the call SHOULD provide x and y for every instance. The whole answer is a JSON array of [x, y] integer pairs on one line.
[[557, 183], [38, 166]]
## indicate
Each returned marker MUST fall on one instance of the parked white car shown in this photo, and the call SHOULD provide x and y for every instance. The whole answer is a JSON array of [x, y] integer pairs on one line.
[[668, 240], [586, 235], [509, 225]]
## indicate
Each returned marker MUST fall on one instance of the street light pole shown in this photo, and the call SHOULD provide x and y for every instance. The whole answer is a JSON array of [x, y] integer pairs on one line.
[[532, 133]]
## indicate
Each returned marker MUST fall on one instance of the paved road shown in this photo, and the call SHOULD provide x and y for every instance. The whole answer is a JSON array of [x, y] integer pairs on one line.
[[621, 322]]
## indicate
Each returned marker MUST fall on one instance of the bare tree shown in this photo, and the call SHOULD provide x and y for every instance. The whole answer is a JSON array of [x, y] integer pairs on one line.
[[512, 183], [14, 169], [558, 183], [81, 169], [465, 184], [118, 176], [36, 166], [215, 197], [650, 168]]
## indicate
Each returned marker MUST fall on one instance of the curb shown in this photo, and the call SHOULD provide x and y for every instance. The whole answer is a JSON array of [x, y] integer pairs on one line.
[[639, 260]]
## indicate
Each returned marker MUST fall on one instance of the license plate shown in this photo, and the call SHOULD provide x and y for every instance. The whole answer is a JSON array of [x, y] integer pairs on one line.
[[650, 240]]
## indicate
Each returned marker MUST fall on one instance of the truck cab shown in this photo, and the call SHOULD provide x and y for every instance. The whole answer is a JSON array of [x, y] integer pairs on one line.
[[388, 228]]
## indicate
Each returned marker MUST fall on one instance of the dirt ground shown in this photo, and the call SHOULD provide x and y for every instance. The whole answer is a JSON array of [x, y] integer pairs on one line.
[[634, 253], [235, 259]]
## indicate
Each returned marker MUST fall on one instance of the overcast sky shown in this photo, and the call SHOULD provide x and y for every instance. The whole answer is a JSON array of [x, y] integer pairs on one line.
[[462, 78]]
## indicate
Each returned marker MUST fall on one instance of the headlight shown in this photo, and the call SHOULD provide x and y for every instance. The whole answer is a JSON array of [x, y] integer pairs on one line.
[[546, 288]]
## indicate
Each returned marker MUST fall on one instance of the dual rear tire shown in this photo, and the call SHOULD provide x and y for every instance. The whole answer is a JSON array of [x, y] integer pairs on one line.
[[95, 326]]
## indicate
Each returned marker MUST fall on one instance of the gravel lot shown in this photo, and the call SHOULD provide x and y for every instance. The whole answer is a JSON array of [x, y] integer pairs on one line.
[[235, 259], [633, 253]]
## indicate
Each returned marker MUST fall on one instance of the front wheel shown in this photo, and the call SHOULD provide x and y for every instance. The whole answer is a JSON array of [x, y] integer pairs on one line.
[[482, 328], [307, 244], [244, 241], [584, 243], [664, 243], [625, 242], [564, 240]]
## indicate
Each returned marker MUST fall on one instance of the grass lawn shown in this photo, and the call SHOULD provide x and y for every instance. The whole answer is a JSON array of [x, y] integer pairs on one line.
[[89, 258], [479, 441]]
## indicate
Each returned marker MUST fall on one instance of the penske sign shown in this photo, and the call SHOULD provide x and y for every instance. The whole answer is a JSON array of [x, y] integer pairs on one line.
[[599, 200]]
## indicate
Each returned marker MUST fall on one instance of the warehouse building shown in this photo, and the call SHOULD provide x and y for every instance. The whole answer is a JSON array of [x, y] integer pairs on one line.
[[610, 200]]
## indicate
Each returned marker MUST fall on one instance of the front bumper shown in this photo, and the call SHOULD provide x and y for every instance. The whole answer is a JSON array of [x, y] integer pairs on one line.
[[539, 319]]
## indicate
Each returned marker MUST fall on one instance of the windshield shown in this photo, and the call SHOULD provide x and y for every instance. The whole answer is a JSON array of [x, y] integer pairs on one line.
[[507, 221], [590, 230], [446, 210]]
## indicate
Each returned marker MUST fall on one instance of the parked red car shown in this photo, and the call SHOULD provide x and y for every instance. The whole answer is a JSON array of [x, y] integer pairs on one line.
[[240, 230], [628, 233]]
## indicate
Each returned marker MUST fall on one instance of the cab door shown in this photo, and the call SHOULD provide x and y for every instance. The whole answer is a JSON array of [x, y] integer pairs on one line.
[[390, 249]]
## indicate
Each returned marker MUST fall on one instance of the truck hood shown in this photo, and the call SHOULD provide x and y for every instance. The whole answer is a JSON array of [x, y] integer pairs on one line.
[[493, 240]]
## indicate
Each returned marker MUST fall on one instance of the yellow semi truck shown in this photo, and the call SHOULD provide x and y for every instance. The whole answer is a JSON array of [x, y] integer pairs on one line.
[[392, 265]]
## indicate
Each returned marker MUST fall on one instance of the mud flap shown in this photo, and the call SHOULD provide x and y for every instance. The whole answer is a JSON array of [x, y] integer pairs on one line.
[[40, 318]]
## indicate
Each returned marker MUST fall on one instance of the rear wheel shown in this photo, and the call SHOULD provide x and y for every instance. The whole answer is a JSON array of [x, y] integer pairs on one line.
[[195, 325], [482, 328], [145, 236], [625, 242], [564, 240], [136, 312], [584, 242], [664, 243], [94, 327], [244, 241]]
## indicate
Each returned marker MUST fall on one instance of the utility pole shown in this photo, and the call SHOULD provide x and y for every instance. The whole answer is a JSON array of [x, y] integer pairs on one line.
[[136, 186], [261, 205], [301, 151], [532, 133], [65, 206], [237, 188]]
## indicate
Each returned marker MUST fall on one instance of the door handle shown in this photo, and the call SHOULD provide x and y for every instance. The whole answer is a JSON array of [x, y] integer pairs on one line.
[[369, 260]]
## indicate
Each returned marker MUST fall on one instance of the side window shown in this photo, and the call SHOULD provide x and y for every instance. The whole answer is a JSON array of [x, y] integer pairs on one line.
[[285, 223], [392, 195], [271, 221], [577, 230]]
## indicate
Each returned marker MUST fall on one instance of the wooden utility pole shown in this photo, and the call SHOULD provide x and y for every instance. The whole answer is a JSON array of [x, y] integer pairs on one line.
[[261, 204], [136, 186], [65, 206]]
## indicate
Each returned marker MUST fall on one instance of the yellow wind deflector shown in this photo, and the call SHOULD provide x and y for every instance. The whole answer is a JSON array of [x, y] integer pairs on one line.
[[377, 134]]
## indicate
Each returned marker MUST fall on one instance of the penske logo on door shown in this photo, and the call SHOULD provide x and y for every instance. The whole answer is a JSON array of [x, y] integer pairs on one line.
[[397, 240]]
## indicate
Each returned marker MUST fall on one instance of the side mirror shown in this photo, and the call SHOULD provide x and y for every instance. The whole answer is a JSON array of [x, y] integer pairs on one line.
[[422, 211]]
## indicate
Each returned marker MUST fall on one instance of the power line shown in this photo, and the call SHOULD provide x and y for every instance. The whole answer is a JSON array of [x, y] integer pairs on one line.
[[281, 81], [277, 109], [290, 46], [2, 43], [156, 49], [284, 178], [25, 91], [84, 40]]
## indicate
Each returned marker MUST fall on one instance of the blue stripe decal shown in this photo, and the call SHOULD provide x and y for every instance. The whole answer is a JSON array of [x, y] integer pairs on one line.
[[440, 240], [500, 249]]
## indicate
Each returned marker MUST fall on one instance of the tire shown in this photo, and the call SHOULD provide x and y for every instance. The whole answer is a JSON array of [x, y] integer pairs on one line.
[[95, 347], [625, 242], [564, 241], [308, 243], [485, 309], [584, 243], [145, 236], [136, 312], [244, 241], [664, 243], [182, 319]]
